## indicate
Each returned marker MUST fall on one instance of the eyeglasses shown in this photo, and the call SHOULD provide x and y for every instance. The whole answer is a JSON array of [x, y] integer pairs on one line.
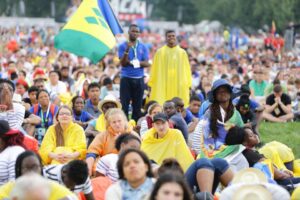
[[64, 113]]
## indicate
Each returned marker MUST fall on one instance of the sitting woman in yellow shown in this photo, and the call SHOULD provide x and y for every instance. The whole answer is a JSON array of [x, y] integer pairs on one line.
[[161, 142], [64, 141]]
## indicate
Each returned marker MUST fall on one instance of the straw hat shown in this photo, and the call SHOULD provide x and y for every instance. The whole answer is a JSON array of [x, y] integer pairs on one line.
[[252, 192], [249, 175], [109, 99]]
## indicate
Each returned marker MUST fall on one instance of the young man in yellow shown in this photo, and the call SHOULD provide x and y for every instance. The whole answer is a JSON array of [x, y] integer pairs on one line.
[[161, 142], [170, 74]]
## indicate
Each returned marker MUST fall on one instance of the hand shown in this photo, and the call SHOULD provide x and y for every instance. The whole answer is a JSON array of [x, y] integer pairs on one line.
[[66, 157], [59, 157], [80, 123], [289, 173], [248, 125], [129, 45]]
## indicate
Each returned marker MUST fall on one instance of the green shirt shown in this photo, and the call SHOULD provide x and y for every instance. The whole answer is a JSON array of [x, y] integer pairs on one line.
[[258, 88]]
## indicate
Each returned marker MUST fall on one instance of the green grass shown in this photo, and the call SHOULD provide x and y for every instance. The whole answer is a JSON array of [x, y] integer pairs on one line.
[[286, 133]]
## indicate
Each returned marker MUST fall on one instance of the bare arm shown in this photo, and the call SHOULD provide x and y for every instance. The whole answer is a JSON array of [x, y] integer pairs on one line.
[[286, 108], [124, 60], [144, 64], [269, 108], [90, 131], [32, 119]]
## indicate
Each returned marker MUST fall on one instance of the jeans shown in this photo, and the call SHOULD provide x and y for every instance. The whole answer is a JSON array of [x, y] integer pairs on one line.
[[132, 89], [217, 165]]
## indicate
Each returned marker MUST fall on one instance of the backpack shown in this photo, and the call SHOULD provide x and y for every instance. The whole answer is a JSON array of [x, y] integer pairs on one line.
[[36, 109]]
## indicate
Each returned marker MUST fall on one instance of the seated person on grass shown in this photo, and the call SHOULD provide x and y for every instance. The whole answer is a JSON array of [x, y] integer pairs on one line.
[[245, 136], [278, 106]]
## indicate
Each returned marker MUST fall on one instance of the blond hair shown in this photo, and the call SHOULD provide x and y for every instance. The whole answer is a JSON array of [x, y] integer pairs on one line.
[[113, 112]]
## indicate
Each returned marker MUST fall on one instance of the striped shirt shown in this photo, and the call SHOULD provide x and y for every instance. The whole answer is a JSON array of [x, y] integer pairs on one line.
[[53, 172], [107, 165], [8, 159], [14, 117], [196, 137]]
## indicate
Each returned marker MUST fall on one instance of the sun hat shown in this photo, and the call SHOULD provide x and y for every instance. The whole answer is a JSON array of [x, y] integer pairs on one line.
[[249, 175], [252, 192], [109, 99], [217, 84]]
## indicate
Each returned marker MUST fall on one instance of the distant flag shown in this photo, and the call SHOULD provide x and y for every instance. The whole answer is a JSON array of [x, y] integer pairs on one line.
[[90, 32], [273, 28]]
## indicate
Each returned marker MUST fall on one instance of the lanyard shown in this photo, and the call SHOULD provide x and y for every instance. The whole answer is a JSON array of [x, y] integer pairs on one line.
[[135, 49], [46, 118]]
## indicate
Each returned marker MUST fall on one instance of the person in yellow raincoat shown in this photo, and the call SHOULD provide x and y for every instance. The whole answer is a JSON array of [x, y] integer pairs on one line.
[[170, 74], [161, 142], [64, 141]]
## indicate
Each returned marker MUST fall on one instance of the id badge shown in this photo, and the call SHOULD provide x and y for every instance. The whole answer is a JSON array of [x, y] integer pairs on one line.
[[40, 132], [136, 63]]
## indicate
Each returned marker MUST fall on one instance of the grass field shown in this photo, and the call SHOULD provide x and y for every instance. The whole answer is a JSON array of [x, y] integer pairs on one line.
[[287, 133]]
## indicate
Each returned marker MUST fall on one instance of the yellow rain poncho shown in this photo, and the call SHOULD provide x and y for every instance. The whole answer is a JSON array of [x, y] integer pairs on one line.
[[170, 75], [172, 145], [277, 152]]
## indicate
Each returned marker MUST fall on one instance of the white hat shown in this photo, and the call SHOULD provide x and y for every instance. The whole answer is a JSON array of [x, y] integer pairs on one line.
[[109, 99], [249, 175], [252, 192]]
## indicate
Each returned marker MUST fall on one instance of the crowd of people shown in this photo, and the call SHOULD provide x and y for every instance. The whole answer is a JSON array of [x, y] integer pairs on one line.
[[159, 117]]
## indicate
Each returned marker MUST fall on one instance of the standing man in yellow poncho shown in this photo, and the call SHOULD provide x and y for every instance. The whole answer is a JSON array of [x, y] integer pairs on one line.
[[170, 74]]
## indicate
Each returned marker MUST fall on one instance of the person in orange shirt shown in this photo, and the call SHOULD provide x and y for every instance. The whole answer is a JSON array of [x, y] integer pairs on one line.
[[104, 143]]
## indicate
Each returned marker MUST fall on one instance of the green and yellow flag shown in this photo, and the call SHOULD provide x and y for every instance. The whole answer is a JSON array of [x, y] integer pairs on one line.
[[88, 32]]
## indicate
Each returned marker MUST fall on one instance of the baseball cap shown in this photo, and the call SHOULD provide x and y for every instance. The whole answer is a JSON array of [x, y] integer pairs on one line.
[[160, 116]]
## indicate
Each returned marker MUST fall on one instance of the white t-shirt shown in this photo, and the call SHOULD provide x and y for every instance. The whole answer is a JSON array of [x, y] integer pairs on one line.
[[53, 172], [60, 88], [8, 159], [107, 165]]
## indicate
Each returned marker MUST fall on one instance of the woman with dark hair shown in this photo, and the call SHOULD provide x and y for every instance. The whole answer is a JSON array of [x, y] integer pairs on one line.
[[11, 145], [171, 186], [210, 133], [80, 116], [64, 141], [135, 174], [107, 165], [30, 162], [46, 111]]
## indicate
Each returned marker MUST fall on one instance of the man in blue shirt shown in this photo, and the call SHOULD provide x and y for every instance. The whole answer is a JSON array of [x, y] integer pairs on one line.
[[134, 57], [91, 104]]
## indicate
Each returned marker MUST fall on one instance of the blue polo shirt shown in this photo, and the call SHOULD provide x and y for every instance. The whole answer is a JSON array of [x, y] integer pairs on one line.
[[88, 107], [142, 55]]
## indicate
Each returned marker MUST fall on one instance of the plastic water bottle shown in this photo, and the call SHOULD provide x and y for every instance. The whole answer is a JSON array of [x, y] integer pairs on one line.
[[130, 111]]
